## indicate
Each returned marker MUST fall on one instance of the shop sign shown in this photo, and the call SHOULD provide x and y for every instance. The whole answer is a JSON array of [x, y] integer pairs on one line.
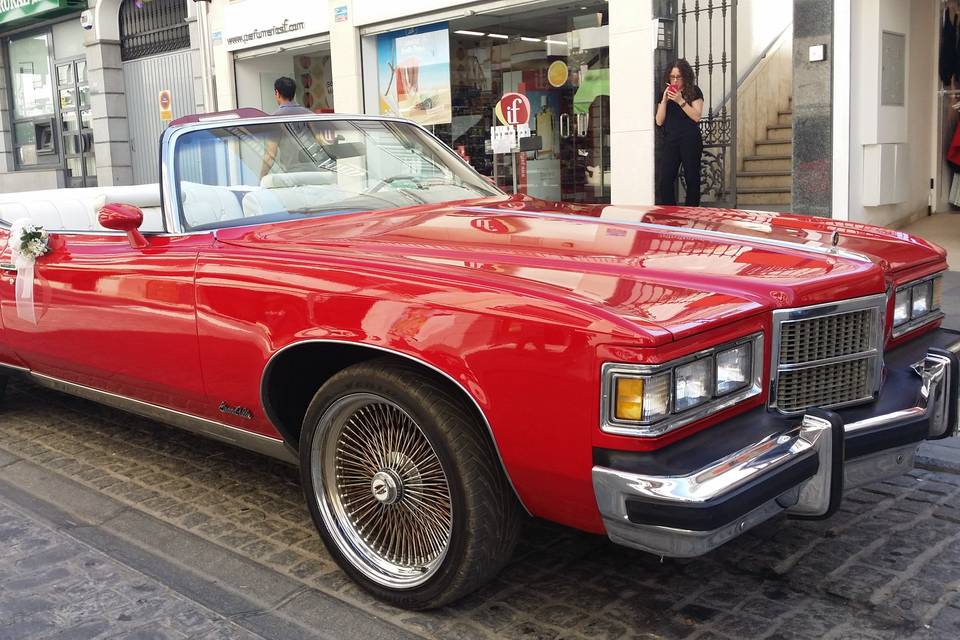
[[12, 11], [255, 23], [165, 101], [340, 13], [513, 112], [513, 109]]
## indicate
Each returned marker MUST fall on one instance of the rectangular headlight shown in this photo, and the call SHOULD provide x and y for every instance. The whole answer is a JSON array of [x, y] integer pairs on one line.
[[692, 384], [733, 368], [921, 295], [901, 307], [917, 303], [648, 400]]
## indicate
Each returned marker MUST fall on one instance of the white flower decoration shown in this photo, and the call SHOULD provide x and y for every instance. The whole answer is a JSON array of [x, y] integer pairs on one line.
[[28, 242]]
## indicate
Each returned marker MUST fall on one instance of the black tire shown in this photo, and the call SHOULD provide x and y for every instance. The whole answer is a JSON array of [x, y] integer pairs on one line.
[[485, 517]]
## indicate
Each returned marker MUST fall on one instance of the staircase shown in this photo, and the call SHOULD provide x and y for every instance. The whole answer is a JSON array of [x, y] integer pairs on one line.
[[767, 176]]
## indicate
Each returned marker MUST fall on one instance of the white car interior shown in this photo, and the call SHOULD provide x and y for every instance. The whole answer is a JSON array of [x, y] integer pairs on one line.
[[79, 209]]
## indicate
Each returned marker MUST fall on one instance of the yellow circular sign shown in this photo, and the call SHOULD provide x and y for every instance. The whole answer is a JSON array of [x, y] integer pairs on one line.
[[557, 73]]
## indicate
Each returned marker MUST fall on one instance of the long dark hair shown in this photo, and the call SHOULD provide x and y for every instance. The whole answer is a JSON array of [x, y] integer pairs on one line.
[[689, 82]]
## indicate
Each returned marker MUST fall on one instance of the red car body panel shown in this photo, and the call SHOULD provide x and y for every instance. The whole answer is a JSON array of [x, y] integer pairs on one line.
[[519, 301]]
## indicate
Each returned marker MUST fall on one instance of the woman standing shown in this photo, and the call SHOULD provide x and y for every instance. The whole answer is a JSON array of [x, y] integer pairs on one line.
[[679, 114]]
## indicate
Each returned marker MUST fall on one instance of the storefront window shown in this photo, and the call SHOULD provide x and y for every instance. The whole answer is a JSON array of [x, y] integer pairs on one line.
[[33, 100], [450, 76]]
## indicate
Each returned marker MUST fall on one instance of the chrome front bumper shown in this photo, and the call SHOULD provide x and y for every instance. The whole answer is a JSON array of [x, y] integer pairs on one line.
[[801, 470]]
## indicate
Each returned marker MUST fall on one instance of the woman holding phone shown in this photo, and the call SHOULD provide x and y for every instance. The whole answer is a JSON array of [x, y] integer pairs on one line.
[[678, 113]]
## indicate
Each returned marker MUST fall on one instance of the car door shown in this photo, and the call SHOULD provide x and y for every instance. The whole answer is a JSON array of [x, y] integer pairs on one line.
[[113, 317]]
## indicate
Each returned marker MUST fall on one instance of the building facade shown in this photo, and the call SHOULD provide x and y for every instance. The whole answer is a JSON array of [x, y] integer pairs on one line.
[[860, 131], [80, 83]]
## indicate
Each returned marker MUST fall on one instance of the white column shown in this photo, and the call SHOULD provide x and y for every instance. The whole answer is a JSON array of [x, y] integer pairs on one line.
[[345, 60], [842, 124], [631, 109]]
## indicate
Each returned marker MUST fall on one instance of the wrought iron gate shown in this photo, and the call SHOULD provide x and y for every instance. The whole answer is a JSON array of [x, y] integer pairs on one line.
[[705, 34]]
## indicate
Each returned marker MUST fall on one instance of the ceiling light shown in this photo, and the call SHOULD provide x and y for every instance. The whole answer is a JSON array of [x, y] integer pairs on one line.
[[464, 32], [497, 35], [526, 39], [561, 42]]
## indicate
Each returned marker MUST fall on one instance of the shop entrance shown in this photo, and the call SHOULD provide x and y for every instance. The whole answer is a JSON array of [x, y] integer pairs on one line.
[[307, 63], [559, 57]]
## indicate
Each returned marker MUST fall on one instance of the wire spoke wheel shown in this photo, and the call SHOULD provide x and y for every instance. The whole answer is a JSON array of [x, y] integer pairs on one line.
[[382, 491]]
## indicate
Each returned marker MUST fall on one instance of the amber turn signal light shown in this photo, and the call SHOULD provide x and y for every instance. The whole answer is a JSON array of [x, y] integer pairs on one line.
[[629, 399]]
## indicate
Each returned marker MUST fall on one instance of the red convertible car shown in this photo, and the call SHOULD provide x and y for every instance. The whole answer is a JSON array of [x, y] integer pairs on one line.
[[441, 359]]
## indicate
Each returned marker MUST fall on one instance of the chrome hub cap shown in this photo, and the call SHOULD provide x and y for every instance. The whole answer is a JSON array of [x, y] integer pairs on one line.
[[385, 487], [382, 491]]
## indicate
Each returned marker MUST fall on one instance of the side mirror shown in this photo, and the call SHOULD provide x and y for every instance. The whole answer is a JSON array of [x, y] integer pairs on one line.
[[124, 217]]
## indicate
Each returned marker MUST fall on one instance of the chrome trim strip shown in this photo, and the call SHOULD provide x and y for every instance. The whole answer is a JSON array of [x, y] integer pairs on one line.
[[863, 355], [609, 370], [486, 422], [194, 424], [13, 368], [719, 235], [913, 325], [877, 303]]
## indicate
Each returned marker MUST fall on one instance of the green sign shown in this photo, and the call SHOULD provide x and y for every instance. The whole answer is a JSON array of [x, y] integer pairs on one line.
[[15, 12]]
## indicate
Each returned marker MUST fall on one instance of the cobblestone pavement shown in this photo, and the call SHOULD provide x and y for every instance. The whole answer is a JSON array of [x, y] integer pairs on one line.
[[886, 566]]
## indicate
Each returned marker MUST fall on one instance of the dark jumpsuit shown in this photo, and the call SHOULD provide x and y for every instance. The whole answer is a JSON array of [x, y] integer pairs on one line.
[[682, 144]]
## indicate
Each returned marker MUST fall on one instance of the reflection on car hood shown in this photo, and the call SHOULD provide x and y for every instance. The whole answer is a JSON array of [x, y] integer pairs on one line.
[[675, 269]]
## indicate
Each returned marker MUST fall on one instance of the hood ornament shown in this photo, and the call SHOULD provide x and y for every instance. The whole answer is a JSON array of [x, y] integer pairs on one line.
[[834, 241]]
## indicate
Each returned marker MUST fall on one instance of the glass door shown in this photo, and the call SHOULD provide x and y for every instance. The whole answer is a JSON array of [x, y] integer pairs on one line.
[[76, 123], [584, 121]]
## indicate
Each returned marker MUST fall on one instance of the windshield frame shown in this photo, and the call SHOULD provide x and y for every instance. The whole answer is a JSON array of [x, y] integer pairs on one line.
[[169, 181]]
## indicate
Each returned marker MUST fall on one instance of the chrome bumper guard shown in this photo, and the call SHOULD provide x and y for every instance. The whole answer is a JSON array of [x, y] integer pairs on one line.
[[816, 443]]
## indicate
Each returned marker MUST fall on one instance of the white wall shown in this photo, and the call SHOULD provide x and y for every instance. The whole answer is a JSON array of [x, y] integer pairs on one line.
[[878, 134], [631, 75]]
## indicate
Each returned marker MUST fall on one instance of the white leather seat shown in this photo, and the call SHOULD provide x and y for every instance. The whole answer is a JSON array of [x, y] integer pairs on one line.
[[292, 191], [206, 204]]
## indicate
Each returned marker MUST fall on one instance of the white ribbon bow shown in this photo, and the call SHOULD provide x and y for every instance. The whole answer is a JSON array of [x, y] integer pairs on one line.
[[24, 259]]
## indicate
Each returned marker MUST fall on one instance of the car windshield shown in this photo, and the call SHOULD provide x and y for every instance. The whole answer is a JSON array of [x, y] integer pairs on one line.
[[252, 173]]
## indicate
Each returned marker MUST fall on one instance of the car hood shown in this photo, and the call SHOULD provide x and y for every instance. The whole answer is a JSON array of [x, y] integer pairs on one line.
[[657, 270]]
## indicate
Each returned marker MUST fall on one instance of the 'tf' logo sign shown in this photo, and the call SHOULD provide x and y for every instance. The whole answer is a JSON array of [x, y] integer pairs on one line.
[[513, 109]]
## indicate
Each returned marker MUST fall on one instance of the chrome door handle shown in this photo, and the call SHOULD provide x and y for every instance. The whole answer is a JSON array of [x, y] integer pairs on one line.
[[582, 124], [564, 117]]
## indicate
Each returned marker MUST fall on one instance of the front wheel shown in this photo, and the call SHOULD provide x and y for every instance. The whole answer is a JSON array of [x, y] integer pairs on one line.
[[404, 486]]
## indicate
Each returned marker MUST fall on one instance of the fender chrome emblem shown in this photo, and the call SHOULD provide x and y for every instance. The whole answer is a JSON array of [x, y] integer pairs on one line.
[[243, 412]]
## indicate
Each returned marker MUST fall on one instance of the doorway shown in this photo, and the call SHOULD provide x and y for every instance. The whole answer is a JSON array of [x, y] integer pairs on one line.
[[76, 123]]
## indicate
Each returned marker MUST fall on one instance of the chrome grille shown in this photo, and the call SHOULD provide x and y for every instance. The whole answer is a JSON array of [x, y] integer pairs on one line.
[[828, 385], [827, 355], [826, 337]]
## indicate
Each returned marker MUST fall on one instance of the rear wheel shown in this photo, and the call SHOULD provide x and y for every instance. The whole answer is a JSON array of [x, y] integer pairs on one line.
[[405, 486]]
